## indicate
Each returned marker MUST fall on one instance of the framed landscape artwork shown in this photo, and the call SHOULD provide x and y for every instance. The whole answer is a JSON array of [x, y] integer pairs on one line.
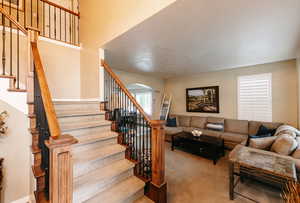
[[203, 99], [14, 3]]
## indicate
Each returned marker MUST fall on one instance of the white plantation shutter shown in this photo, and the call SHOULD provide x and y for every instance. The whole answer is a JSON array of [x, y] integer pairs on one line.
[[255, 97]]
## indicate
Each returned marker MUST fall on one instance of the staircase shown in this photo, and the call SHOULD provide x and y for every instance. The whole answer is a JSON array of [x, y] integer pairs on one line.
[[81, 152], [100, 172]]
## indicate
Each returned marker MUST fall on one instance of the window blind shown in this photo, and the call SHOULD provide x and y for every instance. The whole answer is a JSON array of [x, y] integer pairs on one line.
[[255, 97]]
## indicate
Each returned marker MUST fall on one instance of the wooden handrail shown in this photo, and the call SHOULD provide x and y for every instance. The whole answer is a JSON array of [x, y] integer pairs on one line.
[[16, 23], [61, 7], [45, 92], [125, 90]]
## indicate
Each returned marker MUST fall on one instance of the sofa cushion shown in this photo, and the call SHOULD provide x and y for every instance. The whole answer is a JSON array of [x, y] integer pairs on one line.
[[198, 122], [236, 126], [262, 143], [234, 137], [172, 130], [254, 126], [215, 120], [211, 133], [284, 145], [184, 121]]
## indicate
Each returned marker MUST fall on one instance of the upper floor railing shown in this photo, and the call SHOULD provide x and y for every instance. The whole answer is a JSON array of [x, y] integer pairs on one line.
[[53, 21]]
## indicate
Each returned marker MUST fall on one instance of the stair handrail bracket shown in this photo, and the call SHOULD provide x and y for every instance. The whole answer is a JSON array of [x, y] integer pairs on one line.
[[144, 138]]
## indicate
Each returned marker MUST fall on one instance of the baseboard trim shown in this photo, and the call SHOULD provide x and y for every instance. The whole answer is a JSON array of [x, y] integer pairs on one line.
[[23, 200]]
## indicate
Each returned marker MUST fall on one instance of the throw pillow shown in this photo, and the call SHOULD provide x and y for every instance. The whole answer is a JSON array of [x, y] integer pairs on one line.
[[288, 127], [215, 126], [171, 122], [284, 145], [262, 143], [287, 132], [262, 130]]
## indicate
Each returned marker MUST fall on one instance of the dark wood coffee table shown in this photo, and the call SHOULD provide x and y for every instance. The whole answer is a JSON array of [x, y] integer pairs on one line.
[[205, 146]]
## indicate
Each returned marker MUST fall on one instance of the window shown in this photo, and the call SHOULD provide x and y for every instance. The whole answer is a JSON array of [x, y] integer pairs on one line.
[[143, 95], [145, 100], [255, 97]]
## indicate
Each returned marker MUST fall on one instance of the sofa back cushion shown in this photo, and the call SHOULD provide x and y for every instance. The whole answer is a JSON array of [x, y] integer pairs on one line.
[[198, 122], [236, 126], [254, 126], [184, 121], [215, 120]]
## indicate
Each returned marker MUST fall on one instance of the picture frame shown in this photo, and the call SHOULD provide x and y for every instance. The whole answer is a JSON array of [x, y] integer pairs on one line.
[[14, 4], [203, 99]]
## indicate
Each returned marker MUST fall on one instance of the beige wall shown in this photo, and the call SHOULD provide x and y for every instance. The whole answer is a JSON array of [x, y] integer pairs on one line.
[[298, 70], [156, 83], [102, 21], [15, 148], [62, 67], [284, 87]]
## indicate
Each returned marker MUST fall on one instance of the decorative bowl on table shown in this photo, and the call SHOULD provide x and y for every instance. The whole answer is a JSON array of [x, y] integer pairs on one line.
[[197, 133]]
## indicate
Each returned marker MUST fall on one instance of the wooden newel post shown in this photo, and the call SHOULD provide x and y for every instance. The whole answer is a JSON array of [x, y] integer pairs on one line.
[[158, 185], [61, 169]]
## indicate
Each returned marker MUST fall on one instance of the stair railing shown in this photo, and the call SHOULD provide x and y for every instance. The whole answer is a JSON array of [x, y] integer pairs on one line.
[[55, 147], [52, 162], [143, 137]]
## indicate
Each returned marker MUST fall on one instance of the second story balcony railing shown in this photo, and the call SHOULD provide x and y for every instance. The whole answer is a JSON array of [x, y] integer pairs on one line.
[[52, 20]]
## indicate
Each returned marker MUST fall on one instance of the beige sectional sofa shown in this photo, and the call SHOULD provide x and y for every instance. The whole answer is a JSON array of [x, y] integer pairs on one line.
[[235, 131]]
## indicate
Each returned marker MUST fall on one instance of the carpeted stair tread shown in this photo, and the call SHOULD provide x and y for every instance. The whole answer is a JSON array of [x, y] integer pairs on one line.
[[124, 192], [69, 113], [89, 184], [95, 137], [92, 154], [74, 126]]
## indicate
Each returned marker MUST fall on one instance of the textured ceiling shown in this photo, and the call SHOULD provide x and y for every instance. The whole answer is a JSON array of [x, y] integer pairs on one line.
[[194, 36]]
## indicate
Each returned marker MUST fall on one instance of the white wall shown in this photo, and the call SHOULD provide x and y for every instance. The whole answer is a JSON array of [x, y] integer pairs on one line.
[[15, 149]]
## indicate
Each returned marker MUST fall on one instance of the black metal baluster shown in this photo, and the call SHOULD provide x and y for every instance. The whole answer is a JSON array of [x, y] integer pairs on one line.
[[3, 43], [18, 59], [49, 20], [143, 149], [38, 14], [60, 24], [44, 15], [31, 12], [70, 31], [65, 27], [11, 44], [54, 22]]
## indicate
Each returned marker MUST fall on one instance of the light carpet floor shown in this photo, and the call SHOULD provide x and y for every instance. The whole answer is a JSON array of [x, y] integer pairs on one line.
[[193, 179]]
